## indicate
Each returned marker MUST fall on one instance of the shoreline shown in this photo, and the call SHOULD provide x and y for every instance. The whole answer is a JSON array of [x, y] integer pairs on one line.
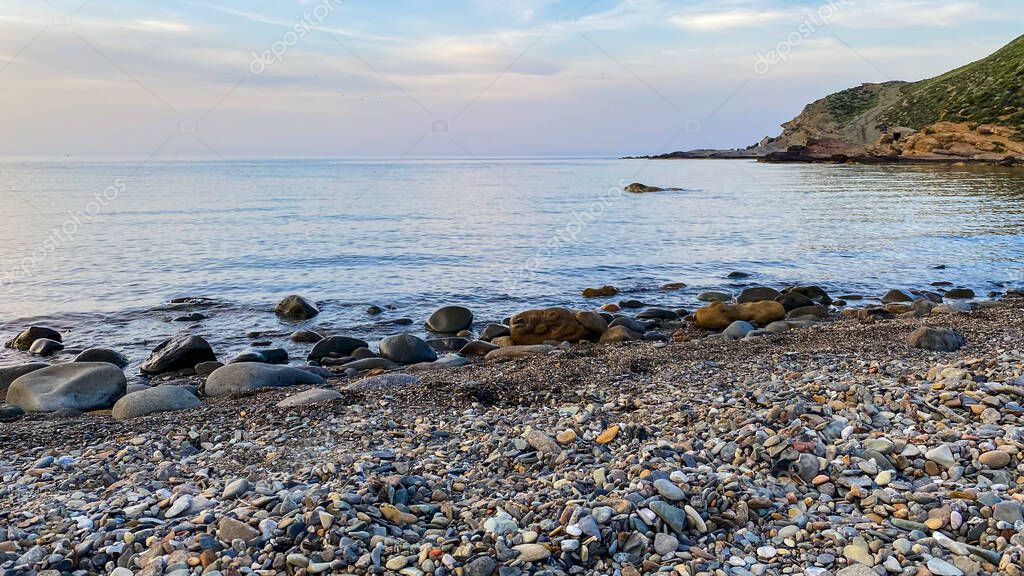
[[824, 449]]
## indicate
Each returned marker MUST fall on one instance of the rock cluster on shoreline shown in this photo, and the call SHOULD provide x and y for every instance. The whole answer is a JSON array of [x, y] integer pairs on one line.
[[801, 439]]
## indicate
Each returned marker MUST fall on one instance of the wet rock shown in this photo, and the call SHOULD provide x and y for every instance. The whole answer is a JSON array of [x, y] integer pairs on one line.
[[758, 294], [617, 334], [296, 307], [306, 337], [450, 319], [897, 295], [9, 374], [492, 331], [103, 355], [406, 349], [601, 292], [178, 353], [45, 347], [336, 346], [24, 340]]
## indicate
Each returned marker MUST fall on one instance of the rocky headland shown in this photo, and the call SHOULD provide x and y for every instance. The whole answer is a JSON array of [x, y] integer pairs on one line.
[[770, 431], [973, 114]]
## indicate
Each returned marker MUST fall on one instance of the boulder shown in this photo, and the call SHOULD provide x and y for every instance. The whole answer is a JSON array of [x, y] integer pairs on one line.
[[478, 348], [592, 321], [632, 324], [552, 324], [719, 315], [960, 294], [739, 329], [714, 297], [24, 340], [936, 339], [310, 397], [815, 294], [103, 355], [449, 344], [78, 386], [814, 310], [896, 295], [638, 188], [601, 292], [758, 294], [492, 331], [235, 379], [406, 349], [306, 336], [793, 300], [45, 347], [517, 352], [154, 400], [9, 374], [658, 314], [450, 319], [178, 353], [619, 333], [296, 307], [336, 346]]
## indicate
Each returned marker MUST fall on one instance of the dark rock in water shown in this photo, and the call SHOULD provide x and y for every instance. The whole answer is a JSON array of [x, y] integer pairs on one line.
[[193, 300], [632, 324], [275, 355], [714, 297], [601, 292], [306, 337], [657, 314], [492, 331], [250, 356], [1015, 293], [45, 347], [450, 319], [633, 304], [816, 294], [936, 339], [737, 275], [178, 353], [793, 300], [24, 340], [897, 295], [296, 307], [9, 374], [79, 386], [206, 368], [406, 349], [235, 379], [852, 297], [336, 346], [933, 296], [960, 294], [672, 286], [193, 317], [374, 310], [638, 188], [153, 401], [103, 355], [10, 413], [758, 294], [453, 344]]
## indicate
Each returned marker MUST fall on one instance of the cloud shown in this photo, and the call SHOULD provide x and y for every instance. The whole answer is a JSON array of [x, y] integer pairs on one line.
[[718, 21], [163, 26]]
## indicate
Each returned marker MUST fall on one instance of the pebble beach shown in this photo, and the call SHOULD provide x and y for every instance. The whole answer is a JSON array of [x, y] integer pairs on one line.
[[838, 445]]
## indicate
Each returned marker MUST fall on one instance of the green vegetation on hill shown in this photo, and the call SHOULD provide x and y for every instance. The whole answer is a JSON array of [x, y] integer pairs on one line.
[[989, 91], [848, 105]]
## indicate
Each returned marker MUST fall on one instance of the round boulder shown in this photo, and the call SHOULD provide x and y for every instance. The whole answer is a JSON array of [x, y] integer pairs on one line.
[[406, 349], [77, 386], [154, 400], [45, 347], [934, 339], [296, 307], [9, 374], [236, 379], [450, 319], [758, 294], [336, 346], [24, 340], [102, 355]]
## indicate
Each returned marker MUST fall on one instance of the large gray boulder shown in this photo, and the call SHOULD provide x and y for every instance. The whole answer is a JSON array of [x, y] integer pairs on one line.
[[450, 319], [406, 349], [9, 374], [296, 307], [154, 400], [178, 353], [24, 340], [336, 346], [244, 377], [936, 339], [77, 386]]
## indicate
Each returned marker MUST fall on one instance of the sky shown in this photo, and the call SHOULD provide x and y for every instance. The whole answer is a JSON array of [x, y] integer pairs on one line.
[[474, 78]]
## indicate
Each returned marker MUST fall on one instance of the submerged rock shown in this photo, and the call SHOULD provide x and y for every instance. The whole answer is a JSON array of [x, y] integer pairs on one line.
[[296, 307]]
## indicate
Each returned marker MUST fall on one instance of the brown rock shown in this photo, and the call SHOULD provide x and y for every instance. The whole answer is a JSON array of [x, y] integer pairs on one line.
[[719, 315], [229, 529], [515, 352], [617, 334], [540, 326], [600, 292], [995, 459]]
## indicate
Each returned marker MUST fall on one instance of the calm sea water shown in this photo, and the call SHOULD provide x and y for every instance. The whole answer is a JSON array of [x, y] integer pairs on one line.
[[98, 249]]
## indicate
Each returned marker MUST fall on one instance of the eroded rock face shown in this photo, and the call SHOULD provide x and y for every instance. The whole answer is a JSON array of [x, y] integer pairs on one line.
[[75, 385], [553, 324], [719, 315]]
